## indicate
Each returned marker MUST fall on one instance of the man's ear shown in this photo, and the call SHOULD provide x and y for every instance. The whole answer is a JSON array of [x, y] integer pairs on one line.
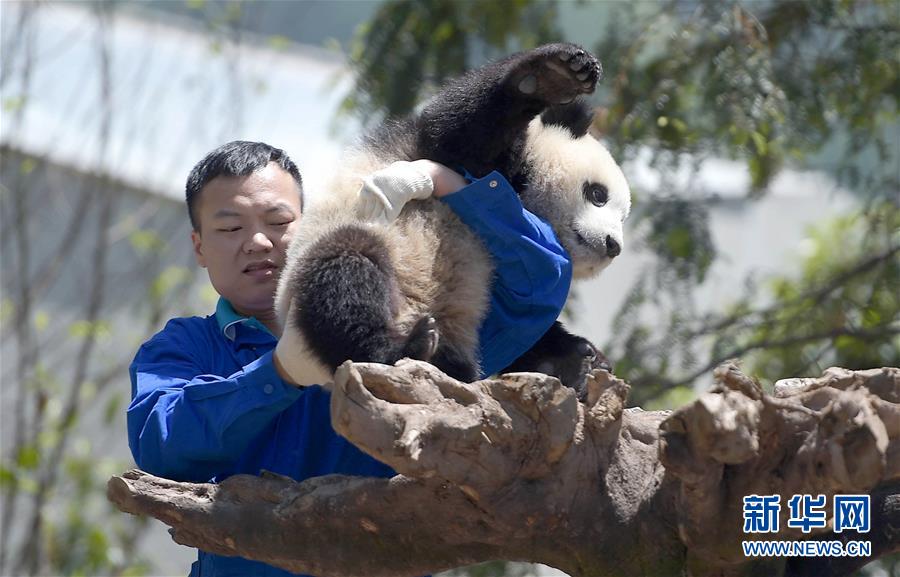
[[198, 248]]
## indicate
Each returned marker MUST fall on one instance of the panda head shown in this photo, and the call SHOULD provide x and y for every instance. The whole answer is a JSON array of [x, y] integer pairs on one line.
[[576, 186]]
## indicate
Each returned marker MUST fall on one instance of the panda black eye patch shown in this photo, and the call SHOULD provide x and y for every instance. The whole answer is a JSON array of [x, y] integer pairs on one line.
[[595, 193]]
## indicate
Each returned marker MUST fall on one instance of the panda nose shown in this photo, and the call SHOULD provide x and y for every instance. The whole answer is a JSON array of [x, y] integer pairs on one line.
[[612, 247]]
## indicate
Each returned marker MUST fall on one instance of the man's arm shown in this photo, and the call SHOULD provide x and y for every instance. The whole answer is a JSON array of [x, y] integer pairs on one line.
[[187, 425], [532, 269]]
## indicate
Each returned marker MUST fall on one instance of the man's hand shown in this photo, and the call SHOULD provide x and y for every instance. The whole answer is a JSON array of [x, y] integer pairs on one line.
[[384, 193], [295, 364]]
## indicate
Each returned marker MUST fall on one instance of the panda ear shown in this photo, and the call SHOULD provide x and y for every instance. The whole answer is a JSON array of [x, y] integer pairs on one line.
[[575, 116]]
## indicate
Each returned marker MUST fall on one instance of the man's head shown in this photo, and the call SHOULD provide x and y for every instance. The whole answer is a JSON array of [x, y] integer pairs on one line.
[[244, 201]]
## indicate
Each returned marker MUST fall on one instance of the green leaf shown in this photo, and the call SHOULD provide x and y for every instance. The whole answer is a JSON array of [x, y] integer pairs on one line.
[[83, 329], [8, 478], [28, 457], [27, 166], [41, 321], [112, 408], [443, 32], [679, 242], [278, 42], [14, 103], [209, 295], [672, 399], [50, 435], [168, 280], [98, 548], [28, 484], [88, 391], [679, 125], [7, 309], [759, 141], [146, 241]]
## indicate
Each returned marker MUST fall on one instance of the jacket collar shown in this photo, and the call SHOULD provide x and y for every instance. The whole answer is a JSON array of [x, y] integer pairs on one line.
[[228, 320]]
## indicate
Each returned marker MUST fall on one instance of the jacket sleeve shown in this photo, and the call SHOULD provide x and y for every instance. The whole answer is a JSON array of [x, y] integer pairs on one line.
[[532, 269], [188, 427]]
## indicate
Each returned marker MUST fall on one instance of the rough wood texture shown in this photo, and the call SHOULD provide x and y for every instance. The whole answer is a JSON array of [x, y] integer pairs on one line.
[[516, 468]]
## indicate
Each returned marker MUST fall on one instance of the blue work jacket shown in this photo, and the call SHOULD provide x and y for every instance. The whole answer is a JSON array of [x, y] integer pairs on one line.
[[208, 403]]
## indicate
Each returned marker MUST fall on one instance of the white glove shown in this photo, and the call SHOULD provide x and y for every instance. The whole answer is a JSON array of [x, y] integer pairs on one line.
[[384, 193], [296, 363]]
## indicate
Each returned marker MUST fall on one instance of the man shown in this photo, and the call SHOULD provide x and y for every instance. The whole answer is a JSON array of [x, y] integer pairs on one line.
[[210, 396]]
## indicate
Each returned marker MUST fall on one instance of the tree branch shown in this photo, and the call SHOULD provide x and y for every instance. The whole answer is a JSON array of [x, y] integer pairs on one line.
[[865, 334], [516, 468], [746, 319]]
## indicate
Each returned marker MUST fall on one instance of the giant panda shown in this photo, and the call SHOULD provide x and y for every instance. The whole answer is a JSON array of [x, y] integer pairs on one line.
[[420, 287]]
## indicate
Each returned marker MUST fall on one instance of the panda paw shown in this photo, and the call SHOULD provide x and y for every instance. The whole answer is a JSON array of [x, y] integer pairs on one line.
[[557, 73], [561, 354], [422, 341], [573, 369]]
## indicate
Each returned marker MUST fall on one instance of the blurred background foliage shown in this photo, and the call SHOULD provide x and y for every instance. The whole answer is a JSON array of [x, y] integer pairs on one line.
[[809, 85], [410, 48]]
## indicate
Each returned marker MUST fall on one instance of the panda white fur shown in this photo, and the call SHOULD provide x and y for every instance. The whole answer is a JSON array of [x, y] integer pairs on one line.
[[420, 287]]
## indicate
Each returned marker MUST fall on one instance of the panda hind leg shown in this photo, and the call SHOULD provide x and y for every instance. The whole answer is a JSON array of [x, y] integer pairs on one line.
[[346, 299]]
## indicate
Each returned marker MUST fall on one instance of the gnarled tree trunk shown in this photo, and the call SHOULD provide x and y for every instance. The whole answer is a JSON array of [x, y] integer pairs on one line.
[[517, 468]]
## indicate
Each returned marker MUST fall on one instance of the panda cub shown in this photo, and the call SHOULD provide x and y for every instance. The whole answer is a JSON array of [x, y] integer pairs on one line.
[[420, 286]]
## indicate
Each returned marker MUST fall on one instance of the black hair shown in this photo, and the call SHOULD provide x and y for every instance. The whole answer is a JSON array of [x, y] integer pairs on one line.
[[236, 158]]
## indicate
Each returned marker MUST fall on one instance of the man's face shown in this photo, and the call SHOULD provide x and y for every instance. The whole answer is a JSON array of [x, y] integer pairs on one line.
[[246, 224]]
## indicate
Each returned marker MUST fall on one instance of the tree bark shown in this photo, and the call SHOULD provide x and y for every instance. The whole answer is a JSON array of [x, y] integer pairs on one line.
[[517, 468]]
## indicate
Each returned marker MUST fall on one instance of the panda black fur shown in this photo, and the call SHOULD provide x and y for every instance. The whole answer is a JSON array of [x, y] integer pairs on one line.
[[420, 287]]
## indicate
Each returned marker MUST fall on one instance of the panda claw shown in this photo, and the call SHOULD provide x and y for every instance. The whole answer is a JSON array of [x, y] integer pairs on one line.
[[565, 57], [586, 350], [528, 85], [575, 65], [432, 337], [583, 76], [422, 342]]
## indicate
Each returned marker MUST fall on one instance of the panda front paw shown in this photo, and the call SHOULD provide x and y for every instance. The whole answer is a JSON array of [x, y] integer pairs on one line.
[[556, 74], [560, 354], [573, 368]]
